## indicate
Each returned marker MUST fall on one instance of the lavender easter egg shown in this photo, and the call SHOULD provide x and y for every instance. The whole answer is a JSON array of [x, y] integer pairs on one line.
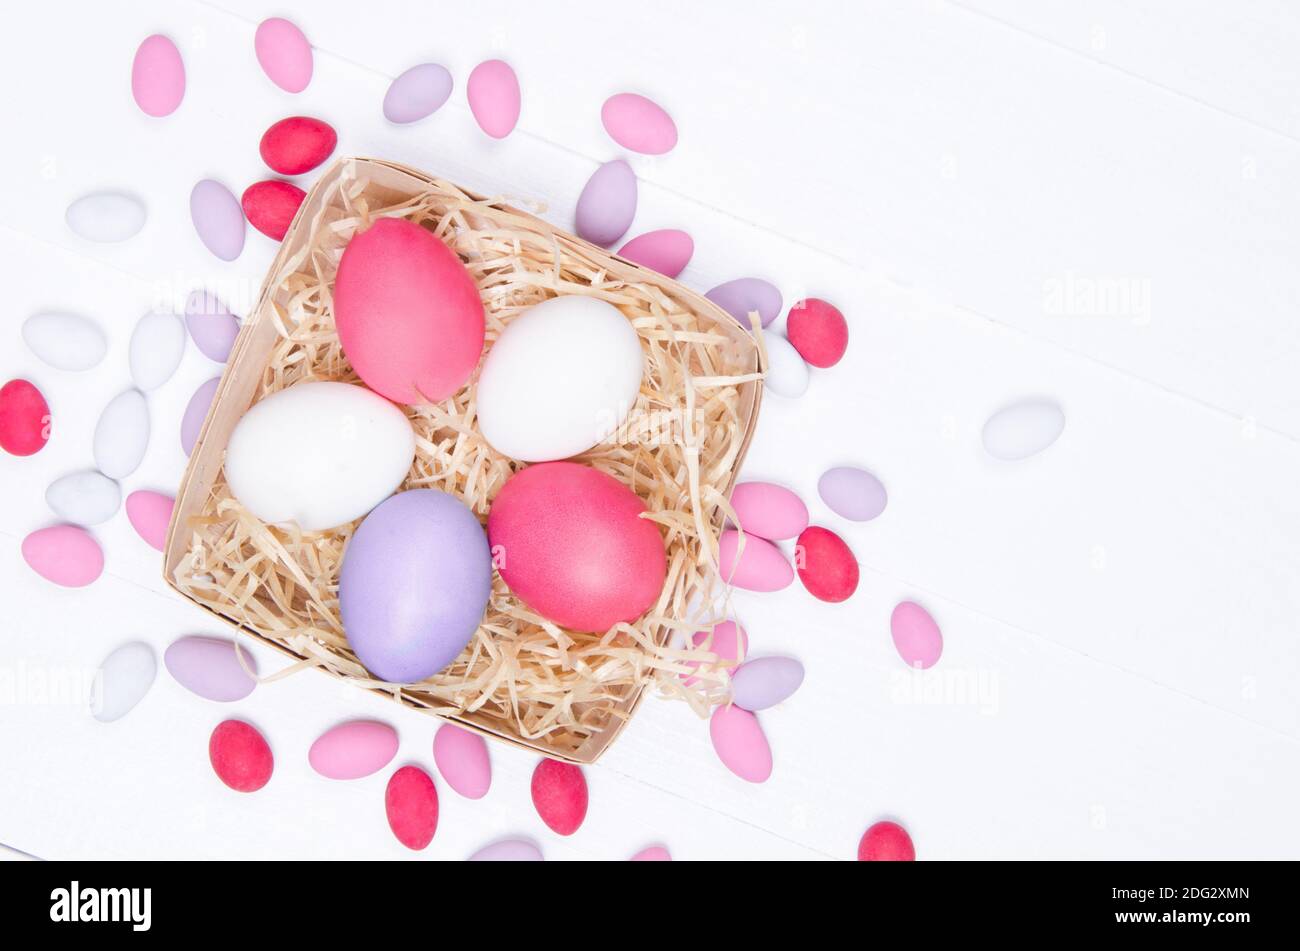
[[218, 219], [852, 493], [607, 204], [196, 411], [508, 850], [415, 581], [418, 92], [211, 325], [765, 682], [210, 667], [746, 294]]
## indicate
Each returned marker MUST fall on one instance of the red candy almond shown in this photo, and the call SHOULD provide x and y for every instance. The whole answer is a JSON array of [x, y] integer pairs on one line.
[[297, 144], [270, 206], [24, 418], [886, 842], [560, 795], [818, 331], [240, 756], [825, 564], [411, 802]]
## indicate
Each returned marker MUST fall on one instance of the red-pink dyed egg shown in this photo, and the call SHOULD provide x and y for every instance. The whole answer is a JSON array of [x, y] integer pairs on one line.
[[667, 251], [739, 741], [570, 541], [411, 803], [826, 566], [149, 514], [270, 206], [638, 123], [759, 567], [240, 756], [408, 313], [886, 842], [24, 418], [729, 642], [158, 76], [64, 554], [297, 144], [818, 331], [560, 795]]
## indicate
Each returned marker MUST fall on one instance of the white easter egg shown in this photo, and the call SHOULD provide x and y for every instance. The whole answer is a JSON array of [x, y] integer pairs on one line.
[[65, 341], [106, 216], [319, 454], [122, 435], [84, 498], [123, 679], [787, 373], [157, 344], [1023, 429], [561, 378]]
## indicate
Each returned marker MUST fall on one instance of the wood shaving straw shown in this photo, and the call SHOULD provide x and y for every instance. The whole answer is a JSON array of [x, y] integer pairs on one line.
[[521, 676]]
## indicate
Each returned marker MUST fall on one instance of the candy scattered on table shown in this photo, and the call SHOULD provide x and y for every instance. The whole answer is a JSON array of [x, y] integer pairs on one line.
[[852, 493], [24, 418], [493, 93], [155, 351], [212, 327], [739, 741], [278, 449], [560, 795], [760, 567], [729, 642], [106, 217], [667, 251], [414, 340], [411, 804], [270, 206], [638, 123], [418, 92], [765, 681], [916, 635], [158, 76], [653, 853], [196, 411], [508, 850], [886, 842], [1023, 429], [218, 219], [576, 548], [284, 54], [123, 679], [745, 295], [607, 204], [297, 144], [561, 377], [818, 331], [787, 373], [462, 759], [149, 514], [415, 581], [210, 668], [64, 554], [240, 756], [65, 341], [826, 565], [122, 435], [768, 510], [84, 498], [353, 750]]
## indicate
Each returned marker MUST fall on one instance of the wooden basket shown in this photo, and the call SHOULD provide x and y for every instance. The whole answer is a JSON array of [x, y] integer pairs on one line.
[[204, 508]]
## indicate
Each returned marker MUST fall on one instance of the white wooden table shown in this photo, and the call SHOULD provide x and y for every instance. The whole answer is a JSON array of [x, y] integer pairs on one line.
[[958, 177]]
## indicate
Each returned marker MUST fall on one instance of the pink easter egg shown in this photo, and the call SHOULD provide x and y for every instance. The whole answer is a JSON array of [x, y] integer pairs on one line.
[[826, 565], [916, 636], [240, 756], [196, 411], [886, 842], [462, 758], [760, 567], [654, 853], [284, 53], [560, 795], [739, 742], [411, 804], [769, 511], [158, 76], [149, 514], [667, 251], [729, 643], [508, 850], [638, 123], [352, 750], [493, 91], [64, 554]]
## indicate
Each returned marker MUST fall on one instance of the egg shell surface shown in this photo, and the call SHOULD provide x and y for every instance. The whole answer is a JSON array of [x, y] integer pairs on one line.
[[638, 123], [418, 92], [149, 514], [411, 805], [123, 680], [297, 144], [84, 498], [284, 54], [210, 668], [740, 743], [353, 750], [653, 853], [462, 759], [852, 493], [158, 76], [787, 373], [155, 351], [212, 326], [746, 294], [408, 313], [886, 842], [916, 635], [1023, 429], [65, 341], [560, 795], [729, 642], [826, 565], [24, 418], [122, 435], [667, 251], [759, 567], [607, 204], [818, 331], [493, 93], [106, 216], [270, 206], [768, 510], [765, 681], [508, 850], [570, 542], [416, 578], [560, 379], [218, 219], [64, 554], [240, 756], [196, 411]]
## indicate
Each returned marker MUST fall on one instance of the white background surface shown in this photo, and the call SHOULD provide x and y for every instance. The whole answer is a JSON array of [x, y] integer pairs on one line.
[[1130, 600]]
